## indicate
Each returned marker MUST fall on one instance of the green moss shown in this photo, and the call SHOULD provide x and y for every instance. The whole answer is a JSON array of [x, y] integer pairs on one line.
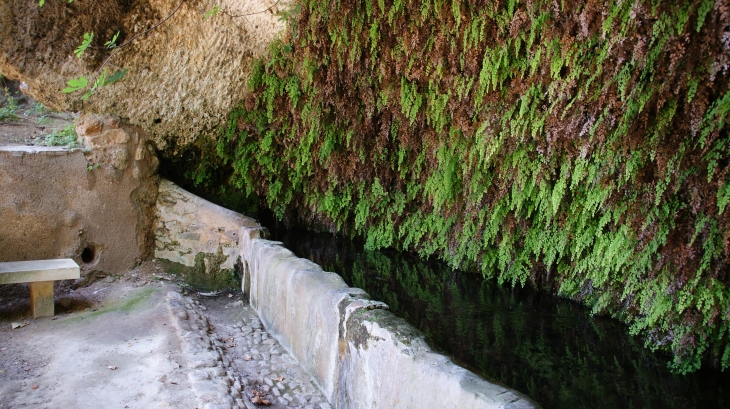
[[132, 303], [206, 274], [125, 305]]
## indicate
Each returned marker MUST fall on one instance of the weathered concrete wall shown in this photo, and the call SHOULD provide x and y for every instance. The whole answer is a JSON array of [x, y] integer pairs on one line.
[[189, 72], [57, 202], [301, 304], [201, 238], [361, 355], [382, 352]]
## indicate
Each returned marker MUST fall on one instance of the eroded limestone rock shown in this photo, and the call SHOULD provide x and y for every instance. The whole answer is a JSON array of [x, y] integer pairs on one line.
[[183, 77]]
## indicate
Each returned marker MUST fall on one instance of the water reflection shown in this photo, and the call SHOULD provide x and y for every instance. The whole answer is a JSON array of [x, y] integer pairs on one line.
[[545, 347]]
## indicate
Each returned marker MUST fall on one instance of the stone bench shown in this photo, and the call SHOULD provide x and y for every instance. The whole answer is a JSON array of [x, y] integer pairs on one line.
[[40, 274]]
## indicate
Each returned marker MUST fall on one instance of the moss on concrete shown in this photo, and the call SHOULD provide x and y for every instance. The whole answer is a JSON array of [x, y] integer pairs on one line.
[[129, 303]]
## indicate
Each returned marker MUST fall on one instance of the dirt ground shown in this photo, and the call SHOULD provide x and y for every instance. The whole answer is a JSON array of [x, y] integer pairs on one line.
[[34, 122]]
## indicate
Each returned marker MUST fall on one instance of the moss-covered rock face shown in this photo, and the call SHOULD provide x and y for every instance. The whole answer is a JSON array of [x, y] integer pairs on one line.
[[206, 274], [579, 145]]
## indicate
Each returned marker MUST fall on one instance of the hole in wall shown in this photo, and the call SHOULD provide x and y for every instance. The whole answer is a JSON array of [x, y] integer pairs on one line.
[[88, 255]]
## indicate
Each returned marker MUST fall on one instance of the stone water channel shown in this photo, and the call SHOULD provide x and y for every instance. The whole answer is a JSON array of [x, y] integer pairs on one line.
[[548, 348]]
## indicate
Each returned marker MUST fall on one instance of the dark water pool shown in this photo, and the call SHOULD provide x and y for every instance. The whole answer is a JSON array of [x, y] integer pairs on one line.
[[545, 347]]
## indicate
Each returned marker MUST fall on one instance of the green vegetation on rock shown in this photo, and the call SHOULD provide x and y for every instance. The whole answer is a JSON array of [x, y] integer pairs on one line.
[[578, 145], [61, 137], [206, 274], [8, 108]]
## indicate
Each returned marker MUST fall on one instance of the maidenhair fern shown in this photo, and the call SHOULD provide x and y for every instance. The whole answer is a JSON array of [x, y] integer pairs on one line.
[[583, 149]]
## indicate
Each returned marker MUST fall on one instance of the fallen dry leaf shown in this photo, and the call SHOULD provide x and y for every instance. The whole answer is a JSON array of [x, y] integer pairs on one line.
[[230, 295], [34, 386], [112, 367], [247, 358], [17, 325], [256, 400], [279, 379]]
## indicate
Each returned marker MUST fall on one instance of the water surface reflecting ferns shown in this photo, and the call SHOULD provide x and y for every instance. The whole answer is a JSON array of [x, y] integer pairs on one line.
[[548, 348]]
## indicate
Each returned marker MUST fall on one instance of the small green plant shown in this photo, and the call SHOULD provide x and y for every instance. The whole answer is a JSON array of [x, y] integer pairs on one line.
[[77, 84], [41, 112], [211, 13], [92, 167], [113, 42], [8, 111], [64, 137], [85, 43], [44, 120], [37, 109], [42, 2]]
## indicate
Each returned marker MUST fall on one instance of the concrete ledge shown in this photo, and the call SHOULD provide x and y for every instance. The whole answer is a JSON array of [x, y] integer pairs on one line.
[[23, 149], [387, 364], [303, 307]]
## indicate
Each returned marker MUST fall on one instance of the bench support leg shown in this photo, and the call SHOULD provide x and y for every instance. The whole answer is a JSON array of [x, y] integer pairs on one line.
[[41, 298]]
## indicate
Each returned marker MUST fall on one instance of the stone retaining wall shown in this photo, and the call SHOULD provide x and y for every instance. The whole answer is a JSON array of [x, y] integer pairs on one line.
[[360, 354], [200, 238]]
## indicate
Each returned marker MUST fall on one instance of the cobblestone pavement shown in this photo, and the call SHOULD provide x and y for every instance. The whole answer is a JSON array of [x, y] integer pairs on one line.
[[233, 362]]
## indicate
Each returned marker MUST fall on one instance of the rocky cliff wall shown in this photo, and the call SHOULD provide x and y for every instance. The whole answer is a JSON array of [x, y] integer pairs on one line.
[[578, 146], [183, 77]]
